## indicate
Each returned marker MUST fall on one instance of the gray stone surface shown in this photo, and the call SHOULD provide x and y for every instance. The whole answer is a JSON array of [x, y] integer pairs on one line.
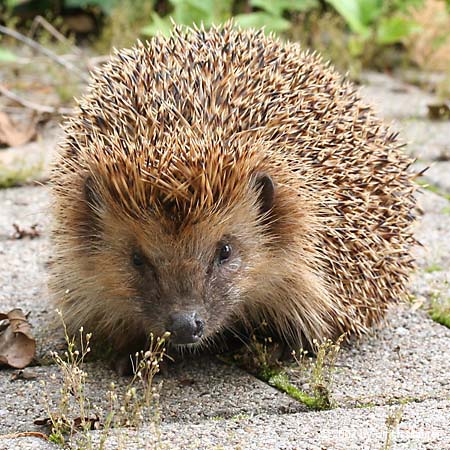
[[422, 426], [34, 158], [204, 389], [438, 174], [427, 140], [206, 404], [393, 99]]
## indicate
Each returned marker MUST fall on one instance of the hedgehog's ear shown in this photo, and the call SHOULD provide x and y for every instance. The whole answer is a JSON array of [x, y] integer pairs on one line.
[[265, 187]]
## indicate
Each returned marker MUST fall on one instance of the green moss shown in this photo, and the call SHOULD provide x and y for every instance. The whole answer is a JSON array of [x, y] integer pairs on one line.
[[17, 176], [433, 268], [240, 416], [432, 188], [446, 210], [441, 313], [366, 405], [279, 380]]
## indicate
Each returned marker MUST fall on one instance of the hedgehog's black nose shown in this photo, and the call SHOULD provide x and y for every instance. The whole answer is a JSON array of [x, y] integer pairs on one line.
[[185, 327]]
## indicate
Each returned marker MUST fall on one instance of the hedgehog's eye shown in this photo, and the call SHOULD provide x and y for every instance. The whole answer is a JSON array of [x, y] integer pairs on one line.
[[138, 259], [224, 253]]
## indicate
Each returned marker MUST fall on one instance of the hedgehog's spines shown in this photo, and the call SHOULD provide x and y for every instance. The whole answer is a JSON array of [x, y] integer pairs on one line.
[[178, 127]]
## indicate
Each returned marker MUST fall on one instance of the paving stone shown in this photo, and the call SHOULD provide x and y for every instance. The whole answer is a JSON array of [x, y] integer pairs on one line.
[[22, 262], [33, 159], [394, 99], [427, 140], [438, 175], [202, 389], [423, 426], [405, 360]]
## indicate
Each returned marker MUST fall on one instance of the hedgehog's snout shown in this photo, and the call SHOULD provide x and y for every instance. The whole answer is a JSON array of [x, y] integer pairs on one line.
[[185, 327]]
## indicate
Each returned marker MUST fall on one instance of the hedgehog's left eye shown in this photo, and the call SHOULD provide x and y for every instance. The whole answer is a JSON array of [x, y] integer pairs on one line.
[[224, 253], [138, 260]]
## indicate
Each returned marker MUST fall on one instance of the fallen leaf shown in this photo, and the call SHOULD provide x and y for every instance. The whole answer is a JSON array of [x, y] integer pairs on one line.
[[46, 421], [22, 375], [17, 345], [20, 233], [91, 423], [439, 111], [187, 382], [12, 135]]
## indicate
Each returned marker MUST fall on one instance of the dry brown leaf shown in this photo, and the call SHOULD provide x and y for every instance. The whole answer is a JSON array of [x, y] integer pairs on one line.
[[13, 136], [439, 111], [17, 345], [90, 423], [21, 233], [22, 375]]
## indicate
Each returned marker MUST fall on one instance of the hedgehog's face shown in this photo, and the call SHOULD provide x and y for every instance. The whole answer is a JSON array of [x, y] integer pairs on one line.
[[190, 282]]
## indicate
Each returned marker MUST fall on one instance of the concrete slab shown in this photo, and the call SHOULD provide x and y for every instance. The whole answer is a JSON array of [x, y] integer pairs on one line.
[[394, 99], [32, 160], [422, 426], [201, 390], [427, 140]]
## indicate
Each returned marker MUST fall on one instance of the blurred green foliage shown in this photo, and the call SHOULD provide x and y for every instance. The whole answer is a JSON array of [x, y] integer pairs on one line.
[[365, 18], [366, 27]]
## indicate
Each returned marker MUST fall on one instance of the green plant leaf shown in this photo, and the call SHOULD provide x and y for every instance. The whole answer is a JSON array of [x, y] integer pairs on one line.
[[158, 25], [7, 56], [350, 10], [356, 45], [189, 12], [392, 30], [105, 5], [370, 10], [278, 7], [262, 19]]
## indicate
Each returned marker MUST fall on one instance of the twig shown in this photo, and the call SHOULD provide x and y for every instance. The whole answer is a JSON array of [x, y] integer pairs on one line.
[[24, 434], [41, 21], [34, 106], [96, 61], [33, 44]]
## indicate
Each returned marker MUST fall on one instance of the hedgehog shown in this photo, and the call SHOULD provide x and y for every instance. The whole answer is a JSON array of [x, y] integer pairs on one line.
[[218, 179]]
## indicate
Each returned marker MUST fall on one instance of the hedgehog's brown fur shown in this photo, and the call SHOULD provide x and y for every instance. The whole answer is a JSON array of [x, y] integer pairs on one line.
[[164, 155]]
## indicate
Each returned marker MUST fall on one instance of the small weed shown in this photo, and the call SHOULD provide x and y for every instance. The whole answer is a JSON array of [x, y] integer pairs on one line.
[[322, 370], [75, 416], [262, 362], [392, 422], [446, 210]]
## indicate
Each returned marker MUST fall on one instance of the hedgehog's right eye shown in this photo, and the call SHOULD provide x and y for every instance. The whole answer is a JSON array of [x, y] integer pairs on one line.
[[138, 260], [224, 253]]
